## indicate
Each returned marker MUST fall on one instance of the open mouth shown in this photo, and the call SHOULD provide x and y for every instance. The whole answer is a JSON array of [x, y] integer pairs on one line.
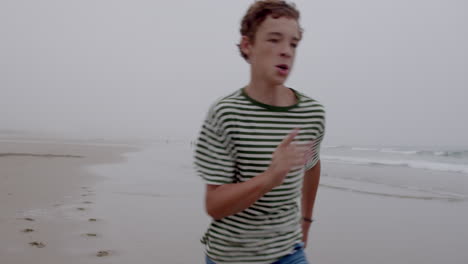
[[283, 67]]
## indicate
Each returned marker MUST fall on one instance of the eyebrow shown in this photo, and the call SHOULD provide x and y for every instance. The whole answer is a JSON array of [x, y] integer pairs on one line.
[[278, 34]]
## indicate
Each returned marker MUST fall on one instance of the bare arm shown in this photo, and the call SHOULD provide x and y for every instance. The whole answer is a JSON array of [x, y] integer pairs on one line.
[[309, 193], [228, 199]]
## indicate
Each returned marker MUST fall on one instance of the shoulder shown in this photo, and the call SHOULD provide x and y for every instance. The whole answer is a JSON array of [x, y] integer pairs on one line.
[[309, 102], [224, 104]]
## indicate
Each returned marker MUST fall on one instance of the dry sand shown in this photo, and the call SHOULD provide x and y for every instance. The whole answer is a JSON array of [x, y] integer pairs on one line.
[[46, 201]]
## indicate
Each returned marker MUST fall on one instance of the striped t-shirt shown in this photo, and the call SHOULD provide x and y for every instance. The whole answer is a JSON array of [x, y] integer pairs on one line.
[[236, 143]]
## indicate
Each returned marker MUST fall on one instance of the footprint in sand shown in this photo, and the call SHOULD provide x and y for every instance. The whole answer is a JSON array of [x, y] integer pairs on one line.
[[90, 235], [27, 230], [88, 190], [103, 253], [37, 244]]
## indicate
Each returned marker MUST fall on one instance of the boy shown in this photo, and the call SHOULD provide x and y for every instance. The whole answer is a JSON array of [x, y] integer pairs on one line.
[[258, 150]]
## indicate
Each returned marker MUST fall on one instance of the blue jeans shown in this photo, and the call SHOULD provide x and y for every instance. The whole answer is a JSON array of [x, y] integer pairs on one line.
[[297, 257]]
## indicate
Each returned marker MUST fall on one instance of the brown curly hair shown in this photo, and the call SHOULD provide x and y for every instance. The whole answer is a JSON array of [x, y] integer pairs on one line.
[[259, 11]]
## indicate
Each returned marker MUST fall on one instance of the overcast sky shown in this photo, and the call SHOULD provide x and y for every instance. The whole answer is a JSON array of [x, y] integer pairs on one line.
[[388, 72]]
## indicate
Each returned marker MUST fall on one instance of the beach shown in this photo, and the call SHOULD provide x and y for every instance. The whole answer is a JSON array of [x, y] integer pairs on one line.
[[98, 203], [47, 197], [376, 223]]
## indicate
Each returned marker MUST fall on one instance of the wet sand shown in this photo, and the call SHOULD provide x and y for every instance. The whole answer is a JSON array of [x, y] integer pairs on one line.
[[369, 222], [46, 199], [358, 222]]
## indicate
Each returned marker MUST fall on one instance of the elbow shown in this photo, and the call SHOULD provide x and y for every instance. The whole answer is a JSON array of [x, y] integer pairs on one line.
[[213, 212], [212, 206], [214, 215]]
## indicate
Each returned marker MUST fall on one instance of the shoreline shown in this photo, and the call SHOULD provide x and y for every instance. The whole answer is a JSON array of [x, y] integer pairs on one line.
[[147, 206]]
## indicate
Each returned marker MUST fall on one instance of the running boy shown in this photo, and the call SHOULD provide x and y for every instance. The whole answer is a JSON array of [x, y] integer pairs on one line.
[[258, 150]]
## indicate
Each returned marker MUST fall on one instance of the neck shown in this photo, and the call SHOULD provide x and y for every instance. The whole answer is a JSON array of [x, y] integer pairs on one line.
[[275, 95]]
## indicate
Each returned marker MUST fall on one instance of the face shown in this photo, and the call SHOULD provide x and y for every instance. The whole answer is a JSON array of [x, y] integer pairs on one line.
[[273, 50]]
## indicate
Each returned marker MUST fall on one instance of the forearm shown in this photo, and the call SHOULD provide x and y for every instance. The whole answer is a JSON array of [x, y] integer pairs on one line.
[[309, 190], [228, 199]]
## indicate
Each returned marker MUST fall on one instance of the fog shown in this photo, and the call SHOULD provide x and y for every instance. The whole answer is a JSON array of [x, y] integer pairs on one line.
[[388, 72]]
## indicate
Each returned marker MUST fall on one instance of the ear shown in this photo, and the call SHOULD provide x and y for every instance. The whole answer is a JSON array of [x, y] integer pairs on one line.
[[245, 45]]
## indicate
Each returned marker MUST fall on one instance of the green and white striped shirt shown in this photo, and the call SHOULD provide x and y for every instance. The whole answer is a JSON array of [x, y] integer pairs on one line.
[[235, 144]]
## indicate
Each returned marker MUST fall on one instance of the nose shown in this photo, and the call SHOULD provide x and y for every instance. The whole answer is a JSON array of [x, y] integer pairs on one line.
[[286, 50]]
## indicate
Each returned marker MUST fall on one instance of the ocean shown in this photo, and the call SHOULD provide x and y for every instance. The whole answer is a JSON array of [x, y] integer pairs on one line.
[[437, 159], [411, 172]]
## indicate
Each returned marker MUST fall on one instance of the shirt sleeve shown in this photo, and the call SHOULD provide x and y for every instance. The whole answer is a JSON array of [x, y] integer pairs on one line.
[[315, 148], [214, 161], [315, 153]]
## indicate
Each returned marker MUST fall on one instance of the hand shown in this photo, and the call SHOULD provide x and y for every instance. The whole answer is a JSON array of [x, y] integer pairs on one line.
[[286, 156]]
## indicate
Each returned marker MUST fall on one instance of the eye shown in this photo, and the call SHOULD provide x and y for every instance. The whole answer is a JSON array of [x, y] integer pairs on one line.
[[273, 40], [294, 45]]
